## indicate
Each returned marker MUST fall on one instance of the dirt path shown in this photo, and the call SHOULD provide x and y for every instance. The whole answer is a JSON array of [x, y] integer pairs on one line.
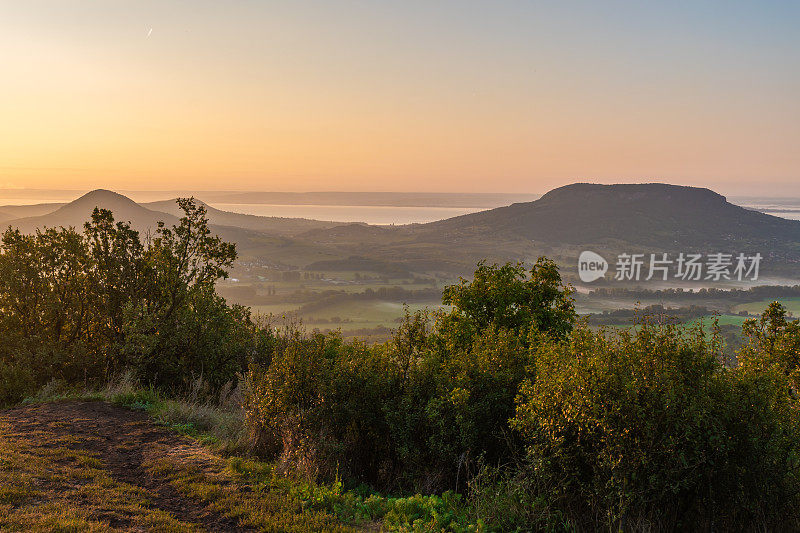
[[122, 445]]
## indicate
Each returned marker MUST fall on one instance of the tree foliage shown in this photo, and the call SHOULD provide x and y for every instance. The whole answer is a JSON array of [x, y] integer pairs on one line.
[[423, 409], [82, 306], [511, 298], [649, 427]]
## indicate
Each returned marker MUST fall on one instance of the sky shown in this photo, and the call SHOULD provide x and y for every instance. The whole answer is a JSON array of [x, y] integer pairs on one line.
[[493, 96]]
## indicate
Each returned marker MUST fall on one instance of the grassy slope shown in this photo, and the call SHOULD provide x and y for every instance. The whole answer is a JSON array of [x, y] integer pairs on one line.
[[63, 474], [79, 466], [724, 320]]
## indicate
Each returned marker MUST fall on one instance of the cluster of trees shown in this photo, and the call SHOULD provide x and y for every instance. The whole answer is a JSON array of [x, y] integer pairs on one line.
[[420, 410], [630, 316], [506, 397], [544, 423], [357, 263], [758, 292], [80, 306]]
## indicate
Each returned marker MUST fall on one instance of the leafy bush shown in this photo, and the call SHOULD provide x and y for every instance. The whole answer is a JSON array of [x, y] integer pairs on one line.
[[16, 381], [773, 343], [645, 429], [419, 411], [318, 405], [83, 306], [510, 298]]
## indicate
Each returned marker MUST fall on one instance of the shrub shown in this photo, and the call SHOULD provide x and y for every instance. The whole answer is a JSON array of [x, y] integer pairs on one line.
[[773, 343], [84, 306], [16, 382], [318, 404], [645, 429], [418, 412]]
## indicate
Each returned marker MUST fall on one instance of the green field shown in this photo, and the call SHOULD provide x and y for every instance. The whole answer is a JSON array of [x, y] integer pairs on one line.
[[756, 308], [274, 309], [365, 314], [724, 320], [349, 315]]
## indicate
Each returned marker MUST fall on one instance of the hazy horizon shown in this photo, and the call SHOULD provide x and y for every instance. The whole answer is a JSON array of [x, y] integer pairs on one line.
[[764, 192], [377, 208]]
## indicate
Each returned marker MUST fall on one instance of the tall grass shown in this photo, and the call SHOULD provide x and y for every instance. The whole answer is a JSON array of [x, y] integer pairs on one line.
[[218, 423]]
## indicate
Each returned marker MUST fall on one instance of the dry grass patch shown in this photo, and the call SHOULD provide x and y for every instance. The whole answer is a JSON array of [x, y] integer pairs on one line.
[[91, 466]]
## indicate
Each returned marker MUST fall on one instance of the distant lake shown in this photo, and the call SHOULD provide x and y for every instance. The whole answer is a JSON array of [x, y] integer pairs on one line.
[[370, 214], [785, 209], [384, 215]]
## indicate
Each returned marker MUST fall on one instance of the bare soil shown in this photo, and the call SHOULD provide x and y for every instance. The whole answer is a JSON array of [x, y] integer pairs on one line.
[[123, 441]]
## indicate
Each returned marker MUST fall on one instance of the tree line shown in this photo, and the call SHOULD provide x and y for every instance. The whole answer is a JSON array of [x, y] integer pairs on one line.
[[758, 292]]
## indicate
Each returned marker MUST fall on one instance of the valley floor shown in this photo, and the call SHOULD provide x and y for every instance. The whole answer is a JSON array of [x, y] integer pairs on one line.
[[93, 466]]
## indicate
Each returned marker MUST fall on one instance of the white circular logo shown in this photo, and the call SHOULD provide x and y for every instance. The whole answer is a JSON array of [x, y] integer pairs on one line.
[[591, 266]]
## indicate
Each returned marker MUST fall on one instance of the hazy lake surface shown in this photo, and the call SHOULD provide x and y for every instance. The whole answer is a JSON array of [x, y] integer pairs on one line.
[[786, 209], [370, 214]]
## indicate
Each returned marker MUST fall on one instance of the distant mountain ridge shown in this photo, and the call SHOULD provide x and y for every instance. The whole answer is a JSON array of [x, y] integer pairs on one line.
[[77, 212], [142, 216], [255, 236], [652, 214], [653, 217]]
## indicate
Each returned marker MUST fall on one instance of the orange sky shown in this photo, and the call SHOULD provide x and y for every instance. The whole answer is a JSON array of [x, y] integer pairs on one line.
[[366, 96]]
